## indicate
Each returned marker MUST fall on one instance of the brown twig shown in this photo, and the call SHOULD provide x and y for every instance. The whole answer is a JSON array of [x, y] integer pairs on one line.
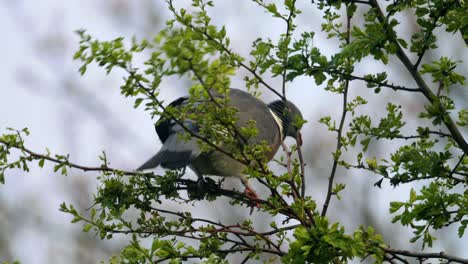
[[424, 88], [429, 32], [287, 35], [439, 255], [175, 119], [340, 129], [351, 77], [38, 156], [224, 49], [302, 168], [288, 166]]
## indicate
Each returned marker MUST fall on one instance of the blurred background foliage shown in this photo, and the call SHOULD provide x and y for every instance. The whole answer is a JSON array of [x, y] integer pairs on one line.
[[42, 90]]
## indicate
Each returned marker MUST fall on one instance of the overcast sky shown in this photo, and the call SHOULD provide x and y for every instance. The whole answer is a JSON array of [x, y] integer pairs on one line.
[[41, 89]]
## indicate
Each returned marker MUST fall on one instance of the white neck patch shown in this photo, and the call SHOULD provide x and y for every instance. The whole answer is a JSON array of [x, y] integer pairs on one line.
[[278, 122]]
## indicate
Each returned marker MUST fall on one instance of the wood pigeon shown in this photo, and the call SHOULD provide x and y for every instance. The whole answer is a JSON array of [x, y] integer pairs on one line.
[[274, 122]]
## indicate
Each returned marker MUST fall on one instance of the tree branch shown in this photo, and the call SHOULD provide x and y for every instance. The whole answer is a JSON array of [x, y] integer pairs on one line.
[[340, 129], [223, 49], [102, 168], [440, 255], [302, 167], [380, 84], [287, 36], [431, 97], [429, 32], [235, 195]]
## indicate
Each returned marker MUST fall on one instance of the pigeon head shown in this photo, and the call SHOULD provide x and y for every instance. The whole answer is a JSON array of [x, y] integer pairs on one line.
[[288, 117]]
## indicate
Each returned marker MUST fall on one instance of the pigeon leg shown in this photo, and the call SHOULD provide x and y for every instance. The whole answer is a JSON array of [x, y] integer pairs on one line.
[[201, 183], [249, 191]]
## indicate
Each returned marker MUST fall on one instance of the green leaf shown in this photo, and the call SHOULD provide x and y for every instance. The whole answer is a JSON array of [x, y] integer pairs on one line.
[[87, 227], [372, 163], [413, 196], [462, 228], [138, 101], [395, 206], [272, 9]]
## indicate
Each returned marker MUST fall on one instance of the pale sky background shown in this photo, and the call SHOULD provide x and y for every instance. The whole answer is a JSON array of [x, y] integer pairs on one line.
[[41, 89]]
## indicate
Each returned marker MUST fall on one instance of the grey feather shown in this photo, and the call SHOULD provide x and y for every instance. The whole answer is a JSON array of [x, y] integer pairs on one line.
[[151, 163], [175, 152]]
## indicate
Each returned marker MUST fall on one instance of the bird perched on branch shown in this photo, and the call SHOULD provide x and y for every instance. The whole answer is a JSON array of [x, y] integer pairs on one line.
[[273, 123]]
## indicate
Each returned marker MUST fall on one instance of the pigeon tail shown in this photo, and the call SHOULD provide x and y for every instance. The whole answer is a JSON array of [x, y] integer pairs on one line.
[[154, 162], [175, 153]]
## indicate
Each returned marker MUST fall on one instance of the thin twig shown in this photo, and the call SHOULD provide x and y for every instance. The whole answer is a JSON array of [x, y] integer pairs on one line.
[[440, 134], [287, 36], [340, 129], [184, 127], [352, 77], [429, 32], [389, 259], [456, 166], [302, 168], [430, 96], [363, 167], [291, 182], [439, 255], [254, 73], [224, 49], [239, 196], [38, 156], [245, 259]]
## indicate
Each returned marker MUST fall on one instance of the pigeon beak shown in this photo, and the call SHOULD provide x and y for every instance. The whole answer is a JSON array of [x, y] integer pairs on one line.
[[299, 138]]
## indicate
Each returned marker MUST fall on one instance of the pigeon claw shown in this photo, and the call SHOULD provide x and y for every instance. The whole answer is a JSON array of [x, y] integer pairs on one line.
[[251, 194]]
